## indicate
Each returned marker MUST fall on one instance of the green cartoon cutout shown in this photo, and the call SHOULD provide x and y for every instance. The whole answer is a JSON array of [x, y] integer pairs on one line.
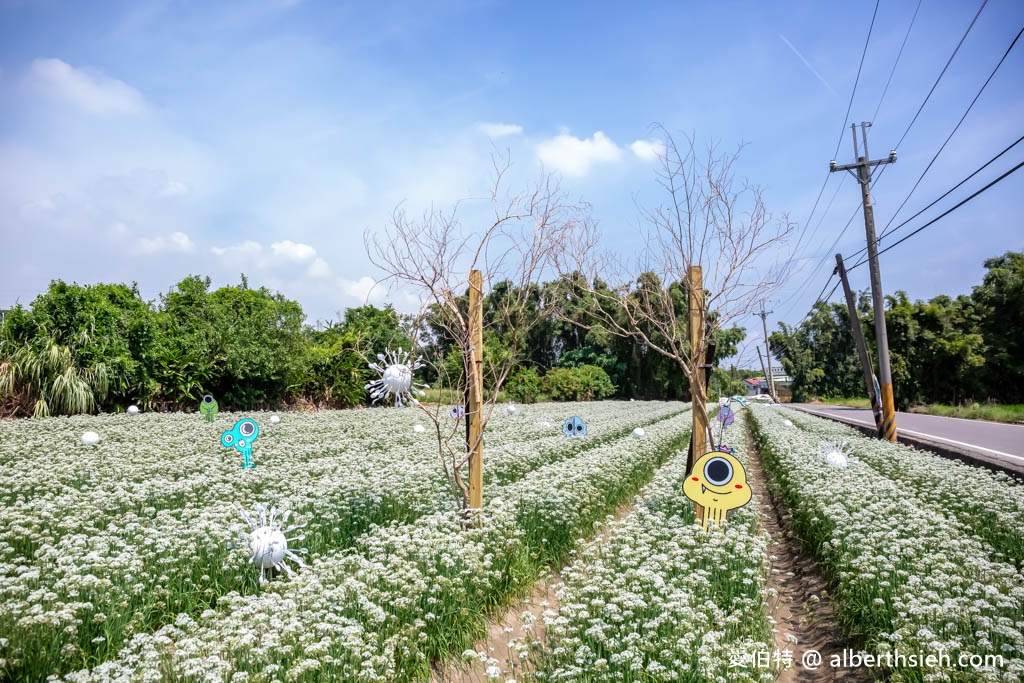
[[208, 407]]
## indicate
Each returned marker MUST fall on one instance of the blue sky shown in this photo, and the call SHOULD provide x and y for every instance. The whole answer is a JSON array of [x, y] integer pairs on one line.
[[144, 141]]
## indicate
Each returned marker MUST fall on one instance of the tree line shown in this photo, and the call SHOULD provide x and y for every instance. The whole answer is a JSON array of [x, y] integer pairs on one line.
[[100, 348], [945, 350]]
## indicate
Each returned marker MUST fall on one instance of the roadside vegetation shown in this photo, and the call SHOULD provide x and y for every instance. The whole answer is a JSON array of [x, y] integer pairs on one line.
[[962, 351]]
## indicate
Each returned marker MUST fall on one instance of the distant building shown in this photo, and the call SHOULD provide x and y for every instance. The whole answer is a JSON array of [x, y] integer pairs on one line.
[[757, 386]]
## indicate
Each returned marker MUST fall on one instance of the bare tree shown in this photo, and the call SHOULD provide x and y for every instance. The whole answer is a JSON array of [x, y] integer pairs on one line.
[[711, 219], [526, 239]]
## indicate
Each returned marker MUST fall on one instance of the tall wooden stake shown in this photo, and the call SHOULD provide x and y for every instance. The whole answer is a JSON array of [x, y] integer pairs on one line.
[[474, 409], [699, 433]]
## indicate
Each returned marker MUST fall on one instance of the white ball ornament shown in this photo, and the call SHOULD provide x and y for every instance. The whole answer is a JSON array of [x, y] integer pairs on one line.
[[419, 429], [90, 438], [133, 410], [274, 419], [639, 433], [787, 423], [511, 408]]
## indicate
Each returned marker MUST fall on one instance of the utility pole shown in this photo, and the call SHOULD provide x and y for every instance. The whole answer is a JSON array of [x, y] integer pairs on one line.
[[768, 353], [761, 359], [862, 347], [863, 175], [474, 409]]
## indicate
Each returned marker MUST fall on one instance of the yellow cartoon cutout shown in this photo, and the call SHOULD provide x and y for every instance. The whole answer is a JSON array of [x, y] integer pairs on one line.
[[718, 483]]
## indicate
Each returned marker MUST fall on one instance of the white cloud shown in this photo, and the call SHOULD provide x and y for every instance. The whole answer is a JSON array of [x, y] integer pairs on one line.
[[573, 156], [499, 130], [90, 91], [364, 290], [175, 242], [245, 250], [292, 261], [318, 268], [648, 150], [293, 251], [174, 188]]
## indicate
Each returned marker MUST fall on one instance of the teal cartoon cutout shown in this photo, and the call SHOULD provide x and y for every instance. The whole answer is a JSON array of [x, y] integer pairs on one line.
[[241, 437], [208, 407]]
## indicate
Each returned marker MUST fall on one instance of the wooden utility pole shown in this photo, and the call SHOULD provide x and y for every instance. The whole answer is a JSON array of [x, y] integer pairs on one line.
[[698, 395], [761, 359], [863, 174], [862, 347], [768, 353], [474, 409]]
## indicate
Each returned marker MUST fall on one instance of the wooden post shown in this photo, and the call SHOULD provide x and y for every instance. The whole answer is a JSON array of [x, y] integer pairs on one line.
[[699, 433], [474, 409]]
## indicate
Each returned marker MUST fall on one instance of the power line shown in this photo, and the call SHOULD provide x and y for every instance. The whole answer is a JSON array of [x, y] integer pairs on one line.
[[842, 132], [952, 133], [950, 190], [945, 213], [941, 74], [899, 54], [863, 54]]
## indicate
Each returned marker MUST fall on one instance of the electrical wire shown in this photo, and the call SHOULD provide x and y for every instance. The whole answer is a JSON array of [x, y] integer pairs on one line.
[[842, 131], [944, 213], [899, 54], [950, 190], [941, 74], [885, 230]]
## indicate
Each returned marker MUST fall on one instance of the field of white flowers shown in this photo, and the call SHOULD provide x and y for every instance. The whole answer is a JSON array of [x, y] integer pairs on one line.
[[128, 561], [924, 554], [122, 561], [659, 599]]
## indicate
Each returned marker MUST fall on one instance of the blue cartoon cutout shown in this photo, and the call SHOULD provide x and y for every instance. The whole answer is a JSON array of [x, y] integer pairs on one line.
[[241, 437], [574, 426]]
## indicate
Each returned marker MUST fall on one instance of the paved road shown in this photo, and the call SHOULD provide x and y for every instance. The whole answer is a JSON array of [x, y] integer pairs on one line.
[[994, 443]]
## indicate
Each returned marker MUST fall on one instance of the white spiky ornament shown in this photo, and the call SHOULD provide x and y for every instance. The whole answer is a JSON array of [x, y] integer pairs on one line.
[[269, 541], [396, 369]]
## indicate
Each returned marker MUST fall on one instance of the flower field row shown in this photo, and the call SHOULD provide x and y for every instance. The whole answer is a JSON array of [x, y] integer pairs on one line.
[[990, 504], [115, 571], [661, 600], [906, 574]]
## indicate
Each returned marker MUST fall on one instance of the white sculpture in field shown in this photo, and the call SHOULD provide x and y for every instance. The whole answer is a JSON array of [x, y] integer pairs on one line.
[[639, 433], [511, 408], [90, 438], [133, 410], [274, 419], [787, 423], [269, 542], [396, 379], [419, 429], [836, 453]]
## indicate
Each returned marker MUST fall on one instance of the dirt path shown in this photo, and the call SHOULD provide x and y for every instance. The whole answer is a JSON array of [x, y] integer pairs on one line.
[[519, 626], [802, 608]]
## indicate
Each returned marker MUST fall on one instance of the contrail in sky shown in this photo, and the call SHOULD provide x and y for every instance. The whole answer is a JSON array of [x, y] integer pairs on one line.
[[808, 65]]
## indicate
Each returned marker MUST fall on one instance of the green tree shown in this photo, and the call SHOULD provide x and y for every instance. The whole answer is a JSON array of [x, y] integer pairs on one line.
[[79, 349], [1000, 302]]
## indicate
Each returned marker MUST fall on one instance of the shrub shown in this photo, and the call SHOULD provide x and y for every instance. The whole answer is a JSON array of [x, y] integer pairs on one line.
[[524, 386], [585, 383]]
